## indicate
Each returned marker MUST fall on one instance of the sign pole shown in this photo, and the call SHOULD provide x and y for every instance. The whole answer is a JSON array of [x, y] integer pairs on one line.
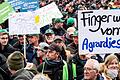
[[24, 46]]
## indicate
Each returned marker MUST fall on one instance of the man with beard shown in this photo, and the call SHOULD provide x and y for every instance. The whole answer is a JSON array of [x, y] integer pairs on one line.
[[49, 36], [73, 47], [54, 66], [31, 54]]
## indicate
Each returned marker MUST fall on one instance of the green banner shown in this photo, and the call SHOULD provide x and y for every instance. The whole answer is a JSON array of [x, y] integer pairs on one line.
[[5, 9]]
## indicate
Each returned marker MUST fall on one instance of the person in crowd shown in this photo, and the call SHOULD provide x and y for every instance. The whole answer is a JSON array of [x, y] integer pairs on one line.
[[49, 36], [31, 54], [91, 70], [6, 48], [59, 41], [73, 47], [110, 68], [77, 63], [19, 43], [54, 66], [70, 22], [68, 36], [15, 63], [41, 77], [4, 71], [58, 27], [41, 52]]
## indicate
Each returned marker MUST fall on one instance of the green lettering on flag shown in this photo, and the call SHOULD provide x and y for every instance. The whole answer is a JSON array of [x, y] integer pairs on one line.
[[5, 9]]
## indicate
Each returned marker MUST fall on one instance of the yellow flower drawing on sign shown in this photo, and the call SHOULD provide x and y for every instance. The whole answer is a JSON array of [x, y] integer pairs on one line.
[[37, 19]]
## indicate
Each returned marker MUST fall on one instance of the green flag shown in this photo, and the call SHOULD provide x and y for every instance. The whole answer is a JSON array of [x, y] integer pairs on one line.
[[5, 9]]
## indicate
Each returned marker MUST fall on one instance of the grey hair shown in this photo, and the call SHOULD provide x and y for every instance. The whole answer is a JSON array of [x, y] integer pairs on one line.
[[96, 65]]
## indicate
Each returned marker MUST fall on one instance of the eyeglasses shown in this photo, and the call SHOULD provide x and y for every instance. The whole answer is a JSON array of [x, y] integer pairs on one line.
[[88, 69]]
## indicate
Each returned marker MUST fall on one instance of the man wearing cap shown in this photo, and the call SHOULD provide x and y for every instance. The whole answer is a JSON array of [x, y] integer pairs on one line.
[[70, 22], [31, 54], [49, 36], [5, 47], [54, 66], [58, 27], [41, 52], [68, 36], [73, 47], [60, 42]]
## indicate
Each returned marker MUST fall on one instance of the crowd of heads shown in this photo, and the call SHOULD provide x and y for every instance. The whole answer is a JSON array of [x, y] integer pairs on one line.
[[53, 53]]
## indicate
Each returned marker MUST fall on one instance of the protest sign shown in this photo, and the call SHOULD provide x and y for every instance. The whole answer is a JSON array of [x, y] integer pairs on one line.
[[24, 5], [47, 13], [31, 22], [29, 5], [5, 9], [16, 4], [99, 31], [23, 23]]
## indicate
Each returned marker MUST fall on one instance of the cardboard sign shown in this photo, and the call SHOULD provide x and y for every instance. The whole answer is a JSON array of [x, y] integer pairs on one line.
[[5, 9], [31, 22], [47, 13], [23, 23], [99, 31]]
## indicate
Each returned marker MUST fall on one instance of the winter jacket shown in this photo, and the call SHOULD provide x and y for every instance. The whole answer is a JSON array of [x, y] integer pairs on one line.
[[23, 74], [8, 49], [54, 69]]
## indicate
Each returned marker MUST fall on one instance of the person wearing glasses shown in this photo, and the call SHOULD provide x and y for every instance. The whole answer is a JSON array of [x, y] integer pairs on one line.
[[91, 70]]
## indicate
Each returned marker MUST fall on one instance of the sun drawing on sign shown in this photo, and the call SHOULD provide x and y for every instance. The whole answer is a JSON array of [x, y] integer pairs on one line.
[[37, 19]]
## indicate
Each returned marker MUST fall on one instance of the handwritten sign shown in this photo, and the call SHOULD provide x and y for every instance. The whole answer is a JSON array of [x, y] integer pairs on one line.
[[99, 31], [47, 13], [29, 5], [24, 5], [16, 4], [23, 23], [5, 9], [31, 22]]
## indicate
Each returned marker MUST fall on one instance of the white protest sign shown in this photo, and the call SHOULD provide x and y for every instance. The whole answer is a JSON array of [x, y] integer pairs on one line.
[[23, 23], [99, 31], [47, 13]]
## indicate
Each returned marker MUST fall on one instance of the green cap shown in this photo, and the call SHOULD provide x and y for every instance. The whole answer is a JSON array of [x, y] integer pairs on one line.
[[49, 31], [3, 31], [70, 21], [75, 33], [58, 20]]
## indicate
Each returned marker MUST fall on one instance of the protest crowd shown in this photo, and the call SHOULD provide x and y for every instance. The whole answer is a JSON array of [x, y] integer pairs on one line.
[[54, 53]]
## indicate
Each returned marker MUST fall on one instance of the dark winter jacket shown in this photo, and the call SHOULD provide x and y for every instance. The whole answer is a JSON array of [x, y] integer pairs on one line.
[[8, 49], [54, 69], [79, 66], [99, 77], [72, 47]]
